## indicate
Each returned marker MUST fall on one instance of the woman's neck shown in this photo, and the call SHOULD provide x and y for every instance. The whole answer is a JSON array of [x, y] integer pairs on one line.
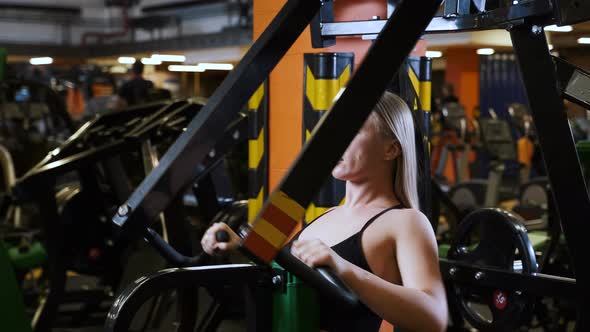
[[370, 193]]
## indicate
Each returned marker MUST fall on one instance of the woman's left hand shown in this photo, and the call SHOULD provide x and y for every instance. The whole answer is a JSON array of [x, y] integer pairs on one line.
[[315, 253]]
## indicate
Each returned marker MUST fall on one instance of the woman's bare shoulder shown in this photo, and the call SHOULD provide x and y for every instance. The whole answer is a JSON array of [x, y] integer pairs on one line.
[[402, 221]]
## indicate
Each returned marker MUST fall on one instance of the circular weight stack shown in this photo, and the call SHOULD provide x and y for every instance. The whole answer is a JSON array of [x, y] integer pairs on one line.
[[495, 239], [535, 194], [467, 197]]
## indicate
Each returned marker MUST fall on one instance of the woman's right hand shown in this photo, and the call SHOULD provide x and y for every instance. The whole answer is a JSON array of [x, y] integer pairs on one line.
[[210, 244]]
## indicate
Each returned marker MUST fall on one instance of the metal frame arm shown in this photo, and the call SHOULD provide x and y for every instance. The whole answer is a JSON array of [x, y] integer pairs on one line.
[[130, 300], [176, 169], [500, 18], [559, 152], [533, 284]]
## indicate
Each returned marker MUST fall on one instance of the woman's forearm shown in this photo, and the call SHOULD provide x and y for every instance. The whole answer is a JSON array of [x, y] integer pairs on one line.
[[410, 309]]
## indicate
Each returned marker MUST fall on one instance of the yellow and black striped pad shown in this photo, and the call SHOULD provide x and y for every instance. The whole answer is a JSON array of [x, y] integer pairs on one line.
[[257, 150], [274, 226]]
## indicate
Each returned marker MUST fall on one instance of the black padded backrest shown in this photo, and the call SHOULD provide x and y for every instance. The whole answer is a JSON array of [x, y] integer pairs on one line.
[[454, 117], [497, 139]]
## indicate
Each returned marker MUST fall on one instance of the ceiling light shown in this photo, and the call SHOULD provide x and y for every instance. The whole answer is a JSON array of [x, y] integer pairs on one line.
[[150, 61], [118, 69], [41, 61], [485, 51], [126, 60], [434, 54], [555, 28], [216, 66], [186, 68], [169, 57], [584, 40]]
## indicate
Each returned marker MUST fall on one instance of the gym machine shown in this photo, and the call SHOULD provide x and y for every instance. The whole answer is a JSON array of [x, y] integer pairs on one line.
[[86, 179], [502, 277], [455, 126], [33, 121]]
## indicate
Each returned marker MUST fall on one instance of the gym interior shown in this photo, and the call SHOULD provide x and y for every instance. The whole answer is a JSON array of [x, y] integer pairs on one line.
[[129, 127]]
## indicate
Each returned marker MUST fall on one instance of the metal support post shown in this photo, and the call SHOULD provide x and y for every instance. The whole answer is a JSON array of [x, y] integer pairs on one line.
[[559, 152]]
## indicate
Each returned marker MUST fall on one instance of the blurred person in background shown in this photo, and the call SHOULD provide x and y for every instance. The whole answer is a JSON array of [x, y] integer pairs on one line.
[[136, 90]]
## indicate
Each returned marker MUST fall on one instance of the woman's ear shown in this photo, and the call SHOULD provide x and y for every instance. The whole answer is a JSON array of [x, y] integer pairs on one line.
[[392, 150]]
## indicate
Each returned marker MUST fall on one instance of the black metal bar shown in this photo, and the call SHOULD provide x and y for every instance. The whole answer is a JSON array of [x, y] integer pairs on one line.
[[176, 222], [340, 125], [454, 8], [171, 255], [574, 82], [500, 18], [559, 152], [235, 134], [73, 162], [188, 302], [56, 264], [135, 295], [175, 168], [259, 305], [117, 178], [534, 284], [161, 117], [325, 15], [211, 318], [206, 196]]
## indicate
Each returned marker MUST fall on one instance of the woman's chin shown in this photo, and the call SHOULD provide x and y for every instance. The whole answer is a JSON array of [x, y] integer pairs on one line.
[[337, 173], [340, 174]]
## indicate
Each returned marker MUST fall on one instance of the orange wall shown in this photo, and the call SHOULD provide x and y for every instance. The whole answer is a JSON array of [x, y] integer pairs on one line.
[[462, 70]]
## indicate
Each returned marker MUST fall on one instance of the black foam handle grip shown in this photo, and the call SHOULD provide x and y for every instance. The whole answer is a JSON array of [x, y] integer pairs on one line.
[[172, 256], [320, 278]]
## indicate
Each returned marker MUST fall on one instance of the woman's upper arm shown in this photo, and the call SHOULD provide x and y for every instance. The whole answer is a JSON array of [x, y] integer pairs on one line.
[[417, 255]]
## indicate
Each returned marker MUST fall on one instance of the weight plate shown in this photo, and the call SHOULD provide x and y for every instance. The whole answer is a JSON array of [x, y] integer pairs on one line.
[[493, 238]]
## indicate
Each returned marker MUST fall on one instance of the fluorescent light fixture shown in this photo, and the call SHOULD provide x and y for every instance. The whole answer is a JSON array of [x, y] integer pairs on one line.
[[41, 61], [201, 67], [118, 69], [485, 51], [555, 28], [186, 68], [434, 54], [169, 57], [216, 66], [150, 61], [126, 60], [584, 40], [551, 47]]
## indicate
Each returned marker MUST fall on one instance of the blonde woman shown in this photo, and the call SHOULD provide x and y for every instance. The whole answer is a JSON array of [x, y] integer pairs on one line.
[[378, 243]]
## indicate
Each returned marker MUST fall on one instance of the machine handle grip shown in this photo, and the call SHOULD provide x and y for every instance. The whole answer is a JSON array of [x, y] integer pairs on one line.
[[321, 278]]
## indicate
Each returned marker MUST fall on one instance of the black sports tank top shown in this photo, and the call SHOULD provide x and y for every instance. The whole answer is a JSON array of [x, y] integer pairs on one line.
[[337, 319]]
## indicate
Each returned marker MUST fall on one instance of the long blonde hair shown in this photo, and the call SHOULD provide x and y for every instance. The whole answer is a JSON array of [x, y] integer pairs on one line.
[[394, 119]]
